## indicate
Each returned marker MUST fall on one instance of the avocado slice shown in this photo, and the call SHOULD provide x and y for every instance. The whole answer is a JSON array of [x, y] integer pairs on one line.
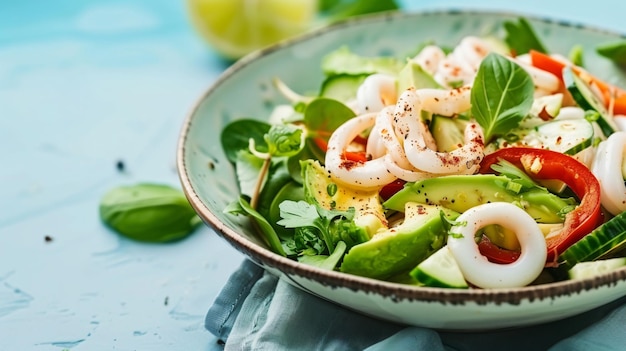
[[413, 75], [320, 189], [462, 192], [400, 248]]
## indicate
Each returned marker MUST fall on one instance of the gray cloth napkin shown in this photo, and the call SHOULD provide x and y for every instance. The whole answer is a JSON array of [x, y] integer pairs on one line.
[[257, 311]]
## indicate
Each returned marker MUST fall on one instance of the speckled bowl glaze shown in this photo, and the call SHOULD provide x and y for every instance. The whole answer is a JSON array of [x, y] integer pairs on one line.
[[244, 90]]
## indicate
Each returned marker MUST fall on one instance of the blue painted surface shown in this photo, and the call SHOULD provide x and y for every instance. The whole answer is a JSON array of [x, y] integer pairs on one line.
[[84, 84]]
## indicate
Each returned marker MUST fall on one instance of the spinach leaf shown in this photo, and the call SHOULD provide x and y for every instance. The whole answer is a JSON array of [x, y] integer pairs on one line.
[[148, 212], [237, 134], [521, 38], [247, 168], [614, 51], [264, 227], [323, 115], [501, 96]]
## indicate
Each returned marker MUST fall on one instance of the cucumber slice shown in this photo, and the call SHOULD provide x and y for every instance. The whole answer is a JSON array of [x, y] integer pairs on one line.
[[342, 87], [440, 270], [584, 270], [547, 107], [568, 136], [588, 100], [602, 242]]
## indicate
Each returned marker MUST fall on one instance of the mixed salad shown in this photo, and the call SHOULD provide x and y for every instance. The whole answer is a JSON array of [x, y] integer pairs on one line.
[[491, 164]]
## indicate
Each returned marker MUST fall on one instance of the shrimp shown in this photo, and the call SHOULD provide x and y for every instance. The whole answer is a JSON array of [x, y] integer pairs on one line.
[[476, 268], [365, 175], [377, 91], [607, 167], [464, 160]]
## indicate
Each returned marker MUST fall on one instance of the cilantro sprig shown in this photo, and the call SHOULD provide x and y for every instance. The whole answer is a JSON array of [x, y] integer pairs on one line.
[[297, 214]]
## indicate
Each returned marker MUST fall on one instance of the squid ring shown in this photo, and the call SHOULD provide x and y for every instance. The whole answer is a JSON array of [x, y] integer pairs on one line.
[[370, 174], [476, 268], [607, 167], [377, 91]]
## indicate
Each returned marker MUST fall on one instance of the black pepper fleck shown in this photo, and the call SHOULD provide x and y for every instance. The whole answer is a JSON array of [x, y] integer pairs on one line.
[[120, 166]]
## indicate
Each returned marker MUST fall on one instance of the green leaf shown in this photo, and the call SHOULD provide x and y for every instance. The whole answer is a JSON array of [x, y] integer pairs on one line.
[[290, 191], [269, 235], [236, 136], [576, 54], [302, 214], [501, 96], [148, 212], [521, 38], [323, 115], [614, 51], [342, 9], [247, 168], [284, 140], [324, 261], [298, 214]]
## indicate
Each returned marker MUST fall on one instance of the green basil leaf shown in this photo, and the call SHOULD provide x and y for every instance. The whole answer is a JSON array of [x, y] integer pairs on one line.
[[148, 212], [521, 38], [501, 96]]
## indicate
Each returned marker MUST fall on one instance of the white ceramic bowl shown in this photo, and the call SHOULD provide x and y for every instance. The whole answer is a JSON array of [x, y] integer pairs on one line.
[[244, 90]]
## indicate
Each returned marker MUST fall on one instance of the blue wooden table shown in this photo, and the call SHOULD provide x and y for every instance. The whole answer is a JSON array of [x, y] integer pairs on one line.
[[88, 86]]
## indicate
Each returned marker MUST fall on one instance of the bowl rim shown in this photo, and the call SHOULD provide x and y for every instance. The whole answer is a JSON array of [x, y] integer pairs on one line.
[[334, 279]]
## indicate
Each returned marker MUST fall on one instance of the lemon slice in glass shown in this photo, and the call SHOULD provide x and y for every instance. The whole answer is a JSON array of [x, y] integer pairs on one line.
[[236, 27]]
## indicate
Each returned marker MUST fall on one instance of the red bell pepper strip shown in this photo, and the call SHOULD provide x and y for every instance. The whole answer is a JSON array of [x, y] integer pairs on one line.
[[495, 253], [547, 164], [611, 94], [390, 189], [347, 155]]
